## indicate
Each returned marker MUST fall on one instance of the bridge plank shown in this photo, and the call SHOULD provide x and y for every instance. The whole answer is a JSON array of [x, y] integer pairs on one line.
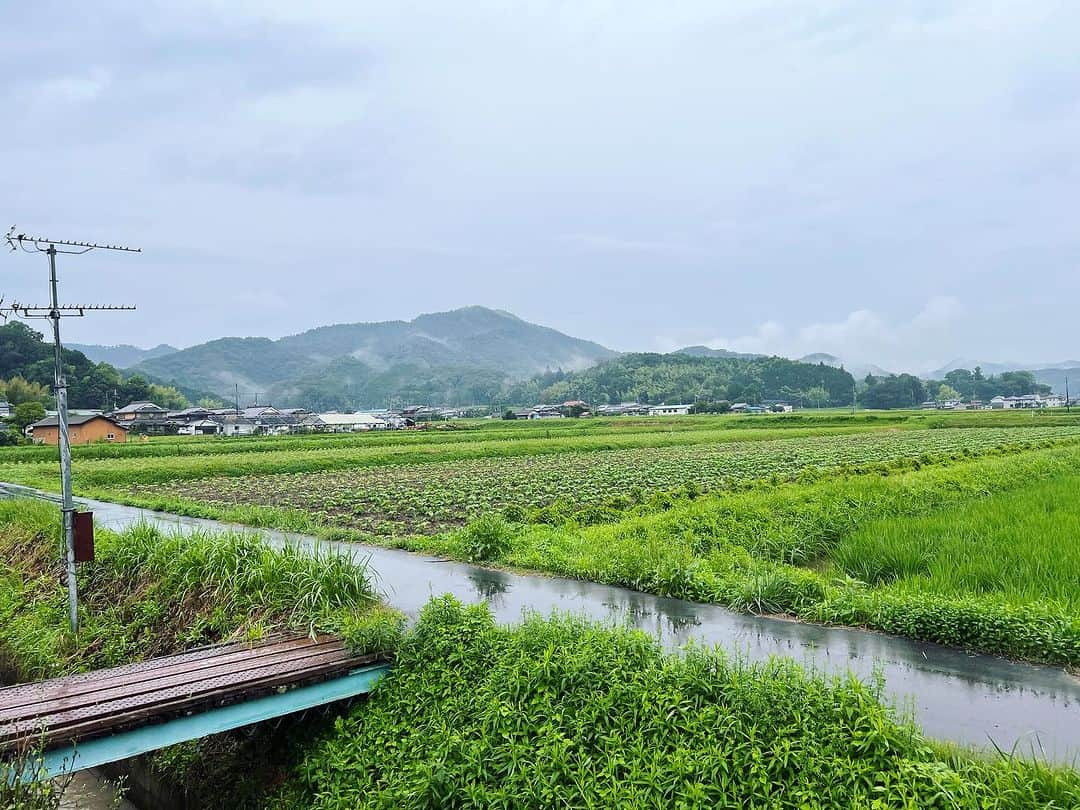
[[64, 710], [173, 674]]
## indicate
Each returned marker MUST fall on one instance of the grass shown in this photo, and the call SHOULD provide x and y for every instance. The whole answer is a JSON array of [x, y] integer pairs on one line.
[[149, 594], [562, 713], [1021, 546]]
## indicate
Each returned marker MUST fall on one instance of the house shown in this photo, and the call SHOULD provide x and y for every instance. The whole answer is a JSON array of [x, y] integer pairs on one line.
[[623, 409], [201, 427], [235, 424], [189, 415], [82, 429], [140, 412], [545, 412], [670, 410], [5, 409], [349, 422], [144, 417]]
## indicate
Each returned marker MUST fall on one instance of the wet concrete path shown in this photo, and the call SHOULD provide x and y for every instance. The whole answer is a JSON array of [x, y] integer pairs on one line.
[[955, 696]]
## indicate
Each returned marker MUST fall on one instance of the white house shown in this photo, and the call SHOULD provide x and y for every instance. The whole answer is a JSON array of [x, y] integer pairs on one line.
[[5, 409], [351, 422], [201, 427], [669, 410]]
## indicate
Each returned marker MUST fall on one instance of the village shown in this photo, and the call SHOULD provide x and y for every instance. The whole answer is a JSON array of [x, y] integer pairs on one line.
[[150, 419]]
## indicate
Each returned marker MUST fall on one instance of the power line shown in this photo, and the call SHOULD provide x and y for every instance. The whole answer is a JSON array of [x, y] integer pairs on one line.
[[54, 312]]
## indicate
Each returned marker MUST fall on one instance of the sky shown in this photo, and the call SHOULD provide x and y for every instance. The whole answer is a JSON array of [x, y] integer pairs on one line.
[[893, 183]]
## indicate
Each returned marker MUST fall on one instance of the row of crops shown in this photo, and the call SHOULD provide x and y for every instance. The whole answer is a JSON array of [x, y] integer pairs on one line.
[[429, 497]]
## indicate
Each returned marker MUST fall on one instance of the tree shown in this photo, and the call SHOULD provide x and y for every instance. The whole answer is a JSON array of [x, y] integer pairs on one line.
[[817, 397], [894, 391], [947, 392], [18, 390], [27, 413]]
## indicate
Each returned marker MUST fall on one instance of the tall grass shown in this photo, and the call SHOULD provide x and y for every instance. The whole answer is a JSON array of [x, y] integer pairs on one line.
[[148, 593], [1021, 546], [562, 713]]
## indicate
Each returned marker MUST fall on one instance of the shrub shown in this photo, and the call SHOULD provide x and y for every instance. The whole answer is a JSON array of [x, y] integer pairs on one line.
[[487, 538]]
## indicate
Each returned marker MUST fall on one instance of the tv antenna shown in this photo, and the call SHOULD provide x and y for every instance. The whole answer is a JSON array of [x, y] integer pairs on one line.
[[54, 312]]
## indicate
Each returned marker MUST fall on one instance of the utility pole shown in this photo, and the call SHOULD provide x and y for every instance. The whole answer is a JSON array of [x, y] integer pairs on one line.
[[53, 312], [1068, 407]]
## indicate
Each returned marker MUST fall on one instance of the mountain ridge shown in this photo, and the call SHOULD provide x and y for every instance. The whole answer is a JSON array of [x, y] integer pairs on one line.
[[467, 339], [121, 355]]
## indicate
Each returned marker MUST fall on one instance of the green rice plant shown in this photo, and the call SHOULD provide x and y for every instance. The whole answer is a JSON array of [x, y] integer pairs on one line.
[[1021, 546]]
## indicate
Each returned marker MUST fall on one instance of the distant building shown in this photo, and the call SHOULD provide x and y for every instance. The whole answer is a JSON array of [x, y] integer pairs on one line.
[[201, 427], [81, 430], [234, 424], [669, 410], [545, 412], [623, 409], [347, 422], [5, 409], [140, 411]]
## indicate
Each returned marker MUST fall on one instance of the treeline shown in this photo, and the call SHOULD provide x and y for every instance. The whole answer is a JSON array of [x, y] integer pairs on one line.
[[26, 375], [908, 391], [680, 378]]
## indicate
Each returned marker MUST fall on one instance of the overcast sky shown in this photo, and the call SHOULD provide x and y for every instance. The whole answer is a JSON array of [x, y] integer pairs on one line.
[[890, 182]]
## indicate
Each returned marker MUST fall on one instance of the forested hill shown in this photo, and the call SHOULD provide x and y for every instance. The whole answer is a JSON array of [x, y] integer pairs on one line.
[[26, 375], [433, 358], [683, 378]]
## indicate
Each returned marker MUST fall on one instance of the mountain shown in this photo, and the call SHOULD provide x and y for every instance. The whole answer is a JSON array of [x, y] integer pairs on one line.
[[858, 370], [1056, 376], [436, 357], [25, 354], [124, 355], [705, 351], [988, 367], [1052, 374]]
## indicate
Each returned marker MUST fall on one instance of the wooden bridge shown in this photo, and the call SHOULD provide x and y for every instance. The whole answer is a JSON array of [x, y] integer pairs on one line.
[[82, 721]]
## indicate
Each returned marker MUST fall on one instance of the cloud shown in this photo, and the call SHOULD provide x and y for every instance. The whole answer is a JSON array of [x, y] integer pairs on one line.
[[863, 337], [795, 175]]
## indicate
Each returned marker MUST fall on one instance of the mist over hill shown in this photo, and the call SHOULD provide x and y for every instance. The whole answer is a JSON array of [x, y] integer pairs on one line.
[[123, 355], [443, 356]]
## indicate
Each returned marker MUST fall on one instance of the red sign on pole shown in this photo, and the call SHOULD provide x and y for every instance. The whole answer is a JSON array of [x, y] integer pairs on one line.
[[84, 537]]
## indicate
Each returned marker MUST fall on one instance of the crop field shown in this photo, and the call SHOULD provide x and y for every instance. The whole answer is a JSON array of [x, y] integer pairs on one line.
[[912, 523], [431, 497]]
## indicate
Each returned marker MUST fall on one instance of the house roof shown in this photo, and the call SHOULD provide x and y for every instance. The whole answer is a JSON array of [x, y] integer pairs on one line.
[[349, 419], [136, 407], [51, 421]]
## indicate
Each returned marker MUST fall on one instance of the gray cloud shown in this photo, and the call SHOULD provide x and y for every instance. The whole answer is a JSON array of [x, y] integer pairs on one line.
[[631, 173]]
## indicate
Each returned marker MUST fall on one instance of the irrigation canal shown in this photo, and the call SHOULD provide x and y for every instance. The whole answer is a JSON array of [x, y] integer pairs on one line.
[[969, 699]]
